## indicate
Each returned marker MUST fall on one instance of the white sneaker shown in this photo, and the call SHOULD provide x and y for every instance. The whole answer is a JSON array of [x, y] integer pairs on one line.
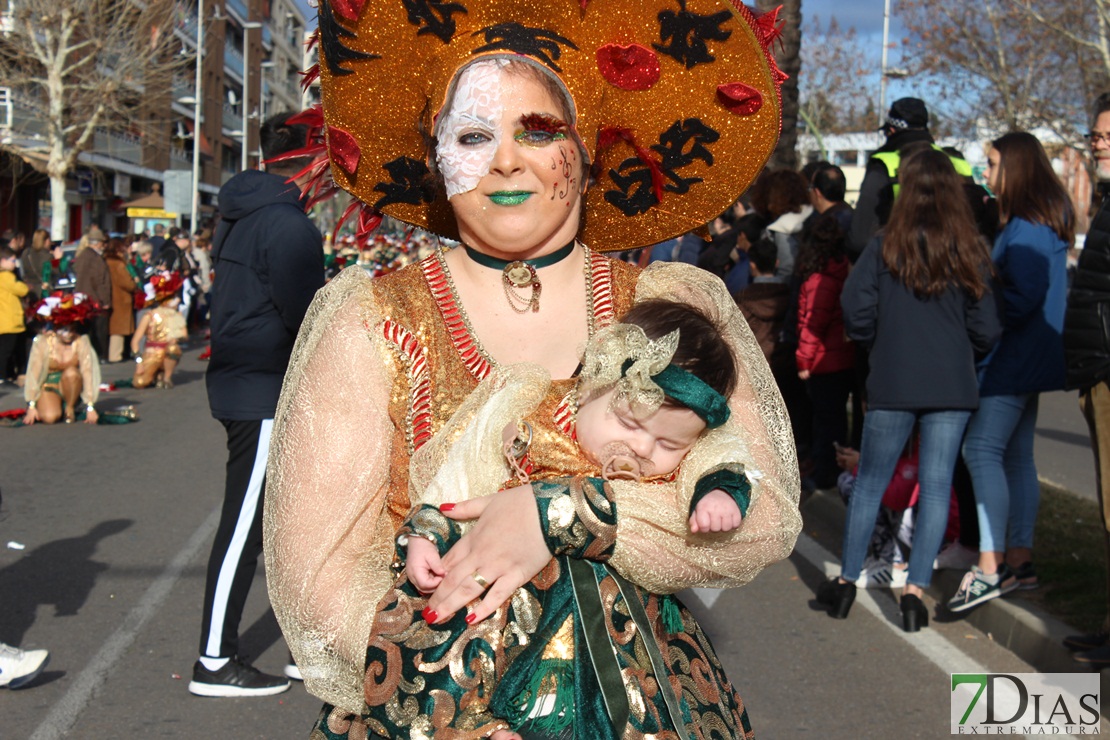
[[20, 667], [955, 556], [875, 574], [898, 577], [293, 672]]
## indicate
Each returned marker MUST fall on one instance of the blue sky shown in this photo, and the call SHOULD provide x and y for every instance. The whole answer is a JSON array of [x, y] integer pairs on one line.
[[866, 16], [309, 12]]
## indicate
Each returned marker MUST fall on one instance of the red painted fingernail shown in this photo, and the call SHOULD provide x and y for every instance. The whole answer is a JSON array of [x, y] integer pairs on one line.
[[429, 615], [470, 618], [446, 507]]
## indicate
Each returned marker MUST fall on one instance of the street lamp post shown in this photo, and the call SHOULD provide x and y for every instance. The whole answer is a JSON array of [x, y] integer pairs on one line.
[[262, 102], [887, 73], [247, 27], [196, 116], [886, 47]]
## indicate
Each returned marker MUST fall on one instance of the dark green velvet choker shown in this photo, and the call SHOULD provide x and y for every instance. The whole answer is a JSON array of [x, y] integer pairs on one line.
[[547, 260], [520, 274]]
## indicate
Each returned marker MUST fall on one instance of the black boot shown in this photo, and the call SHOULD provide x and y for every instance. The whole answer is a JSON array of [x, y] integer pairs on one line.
[[837, 597], [914, 614]]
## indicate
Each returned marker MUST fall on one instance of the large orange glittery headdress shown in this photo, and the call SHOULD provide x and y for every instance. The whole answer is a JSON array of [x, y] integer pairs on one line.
[[677, 101]]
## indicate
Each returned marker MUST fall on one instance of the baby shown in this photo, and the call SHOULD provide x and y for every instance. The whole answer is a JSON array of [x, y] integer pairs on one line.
[[648, 390]]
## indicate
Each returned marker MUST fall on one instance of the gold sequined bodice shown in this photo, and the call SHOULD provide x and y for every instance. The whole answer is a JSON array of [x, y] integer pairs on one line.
[[438, 364]]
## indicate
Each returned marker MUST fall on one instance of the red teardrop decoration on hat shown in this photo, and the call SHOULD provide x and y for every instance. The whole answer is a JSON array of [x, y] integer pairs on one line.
[[741, 99], [631, 67], [348, 9], [344, 149]]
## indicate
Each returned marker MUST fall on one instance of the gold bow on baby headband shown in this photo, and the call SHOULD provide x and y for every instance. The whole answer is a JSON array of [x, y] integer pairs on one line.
[[641, 371], [610, 351]]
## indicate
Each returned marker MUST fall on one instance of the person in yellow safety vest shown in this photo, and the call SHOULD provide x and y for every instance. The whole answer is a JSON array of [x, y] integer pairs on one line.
[[906, 123]]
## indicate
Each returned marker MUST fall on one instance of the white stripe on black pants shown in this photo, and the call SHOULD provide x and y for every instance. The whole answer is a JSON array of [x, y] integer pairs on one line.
[[238, 542]]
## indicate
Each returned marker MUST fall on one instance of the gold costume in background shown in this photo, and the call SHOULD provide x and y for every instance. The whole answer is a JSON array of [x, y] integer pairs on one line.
[[166, 327]]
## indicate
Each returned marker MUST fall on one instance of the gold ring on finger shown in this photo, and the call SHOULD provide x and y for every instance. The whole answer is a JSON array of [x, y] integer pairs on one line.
[[481, 581]]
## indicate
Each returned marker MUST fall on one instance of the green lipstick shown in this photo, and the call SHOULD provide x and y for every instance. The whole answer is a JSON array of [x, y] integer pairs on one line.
[[509, 197]]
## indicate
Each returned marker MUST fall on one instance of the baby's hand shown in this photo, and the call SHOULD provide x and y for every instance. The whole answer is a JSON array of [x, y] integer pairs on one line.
[[423, 565], [716, 512]]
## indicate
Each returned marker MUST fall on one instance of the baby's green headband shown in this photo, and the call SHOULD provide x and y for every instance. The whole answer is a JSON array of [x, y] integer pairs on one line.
[[641, 369]]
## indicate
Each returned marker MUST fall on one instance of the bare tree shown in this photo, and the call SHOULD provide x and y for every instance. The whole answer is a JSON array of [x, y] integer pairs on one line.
[[85, 65], [834, 91], [788, 54], [1011, 64]]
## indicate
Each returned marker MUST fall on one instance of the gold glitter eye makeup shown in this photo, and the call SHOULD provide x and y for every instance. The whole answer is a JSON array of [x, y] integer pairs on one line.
[[540, 129]]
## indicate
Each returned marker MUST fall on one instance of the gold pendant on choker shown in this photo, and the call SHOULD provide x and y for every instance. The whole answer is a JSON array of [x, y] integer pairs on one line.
[[518, 276]]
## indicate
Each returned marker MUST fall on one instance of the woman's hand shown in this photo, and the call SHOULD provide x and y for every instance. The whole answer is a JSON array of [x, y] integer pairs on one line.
[[31, 416], [803, 374], [505, 547], [91, 416]]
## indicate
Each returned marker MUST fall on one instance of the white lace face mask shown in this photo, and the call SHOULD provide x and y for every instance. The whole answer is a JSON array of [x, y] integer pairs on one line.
[[470, 133]]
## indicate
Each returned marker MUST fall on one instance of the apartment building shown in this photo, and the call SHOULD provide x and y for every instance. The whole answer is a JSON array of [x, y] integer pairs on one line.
[[253, 53]]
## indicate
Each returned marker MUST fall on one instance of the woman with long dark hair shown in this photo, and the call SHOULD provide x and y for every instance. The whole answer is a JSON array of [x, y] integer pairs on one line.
[[1030, 256], [919, 299]]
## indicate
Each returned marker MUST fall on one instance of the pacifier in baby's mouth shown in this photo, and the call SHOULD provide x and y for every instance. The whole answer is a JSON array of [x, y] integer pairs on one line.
[[619, 462]]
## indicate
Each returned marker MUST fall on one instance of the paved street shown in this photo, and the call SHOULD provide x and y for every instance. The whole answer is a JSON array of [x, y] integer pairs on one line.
[[1063, 450], [117, 521]]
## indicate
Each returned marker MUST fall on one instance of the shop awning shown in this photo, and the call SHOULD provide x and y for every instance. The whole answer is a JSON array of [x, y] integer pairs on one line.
[[151, 205]]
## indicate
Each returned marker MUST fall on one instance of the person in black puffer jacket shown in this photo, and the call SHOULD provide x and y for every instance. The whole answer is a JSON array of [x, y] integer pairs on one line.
[[1087, 349], [269, 262]]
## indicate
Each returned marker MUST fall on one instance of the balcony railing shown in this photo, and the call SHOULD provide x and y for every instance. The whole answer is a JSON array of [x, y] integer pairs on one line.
[[239, 7], [233, 60], [232, 121], [120, 146]]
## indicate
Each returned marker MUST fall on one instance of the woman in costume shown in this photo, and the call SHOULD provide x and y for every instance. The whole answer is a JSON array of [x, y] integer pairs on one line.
[[676, 119], [63, 366], [161, 327]]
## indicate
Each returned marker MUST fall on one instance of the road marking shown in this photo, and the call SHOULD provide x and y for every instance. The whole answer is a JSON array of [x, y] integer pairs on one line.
[[942, 653], [938, 650], [65, 713]]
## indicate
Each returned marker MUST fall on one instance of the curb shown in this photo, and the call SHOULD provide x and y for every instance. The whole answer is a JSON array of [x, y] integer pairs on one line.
[[1012, 622]]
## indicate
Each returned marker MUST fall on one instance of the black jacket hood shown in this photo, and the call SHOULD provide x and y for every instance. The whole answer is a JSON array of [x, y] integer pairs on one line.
[[250, 190]]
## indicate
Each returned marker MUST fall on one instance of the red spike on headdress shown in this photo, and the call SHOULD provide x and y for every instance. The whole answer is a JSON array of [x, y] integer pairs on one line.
[[309, 76], [768, 27], [312, 40], [347, 9], [610, 135]]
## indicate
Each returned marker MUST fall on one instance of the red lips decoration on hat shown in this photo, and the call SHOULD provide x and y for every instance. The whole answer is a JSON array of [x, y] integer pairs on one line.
[[741, 99], [631, 67]]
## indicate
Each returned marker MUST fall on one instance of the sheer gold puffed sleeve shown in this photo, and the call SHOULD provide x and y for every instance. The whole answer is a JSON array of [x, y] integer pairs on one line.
[[655, 548], [328, 541], [466, 456], [37, 363]]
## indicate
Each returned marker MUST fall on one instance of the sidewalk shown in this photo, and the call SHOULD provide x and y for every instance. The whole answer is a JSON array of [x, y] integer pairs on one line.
[[1012, 622]]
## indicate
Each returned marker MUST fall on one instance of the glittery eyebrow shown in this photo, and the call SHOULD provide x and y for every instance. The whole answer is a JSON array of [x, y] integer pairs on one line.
[[543, 122]]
